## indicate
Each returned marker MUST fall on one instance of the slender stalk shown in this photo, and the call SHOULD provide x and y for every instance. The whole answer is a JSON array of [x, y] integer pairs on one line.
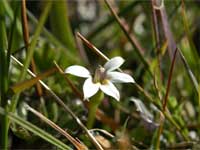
[[169, 81], [26, 41], [92, 47], [160, 129], [94, 103], [164, 106], [91, 116]]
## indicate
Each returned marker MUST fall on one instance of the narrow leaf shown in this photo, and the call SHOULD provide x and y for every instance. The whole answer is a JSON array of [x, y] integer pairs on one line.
[[3, 61], [34, 129], [60, 24], [28, 83], [76, 143]]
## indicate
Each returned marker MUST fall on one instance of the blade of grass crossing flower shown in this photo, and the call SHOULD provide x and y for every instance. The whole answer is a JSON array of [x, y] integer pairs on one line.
[[34, 129], [28, 83]]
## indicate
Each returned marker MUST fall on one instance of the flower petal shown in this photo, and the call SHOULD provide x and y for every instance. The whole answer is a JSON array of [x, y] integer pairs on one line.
[[118, 77], [114, 63], [110, 90], [89, 88], [78, 71]]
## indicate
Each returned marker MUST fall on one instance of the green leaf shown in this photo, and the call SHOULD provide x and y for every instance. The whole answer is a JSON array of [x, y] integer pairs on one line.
[[39, 132], [3, 59], [60, 24], [28, 83]]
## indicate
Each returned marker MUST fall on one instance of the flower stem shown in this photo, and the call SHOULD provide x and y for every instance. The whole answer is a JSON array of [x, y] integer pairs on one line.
[[93, 105]]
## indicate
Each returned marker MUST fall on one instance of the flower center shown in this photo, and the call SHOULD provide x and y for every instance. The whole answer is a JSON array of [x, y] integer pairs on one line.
[[100, 75]]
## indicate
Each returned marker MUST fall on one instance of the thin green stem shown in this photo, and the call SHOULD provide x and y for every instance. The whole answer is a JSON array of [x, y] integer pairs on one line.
[[94, 103], [3, 78], [91, 116]]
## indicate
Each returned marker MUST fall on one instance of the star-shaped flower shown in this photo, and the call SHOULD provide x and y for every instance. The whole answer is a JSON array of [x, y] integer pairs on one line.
[[103, 78]]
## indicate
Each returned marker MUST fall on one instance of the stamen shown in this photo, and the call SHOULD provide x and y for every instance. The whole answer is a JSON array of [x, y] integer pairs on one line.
[[99, 75]]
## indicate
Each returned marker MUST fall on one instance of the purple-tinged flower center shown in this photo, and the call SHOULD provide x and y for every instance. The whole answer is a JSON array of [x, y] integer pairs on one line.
[[100, 75]]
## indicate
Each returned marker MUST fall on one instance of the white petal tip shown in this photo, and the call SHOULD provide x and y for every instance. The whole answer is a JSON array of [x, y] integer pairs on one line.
[[132, 81], [129, 80], [119, 77], [78, 71], [118, 99], [114, 63], [89, 88]]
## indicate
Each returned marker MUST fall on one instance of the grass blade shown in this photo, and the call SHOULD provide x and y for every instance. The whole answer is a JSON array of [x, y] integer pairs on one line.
[[39, 132], [60, 24], [3, 64], [28, 83], [77, 144], [3, 76], [188, 34]]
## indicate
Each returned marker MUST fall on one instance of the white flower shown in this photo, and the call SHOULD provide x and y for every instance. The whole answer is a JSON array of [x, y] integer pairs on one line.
[[103, 78]]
